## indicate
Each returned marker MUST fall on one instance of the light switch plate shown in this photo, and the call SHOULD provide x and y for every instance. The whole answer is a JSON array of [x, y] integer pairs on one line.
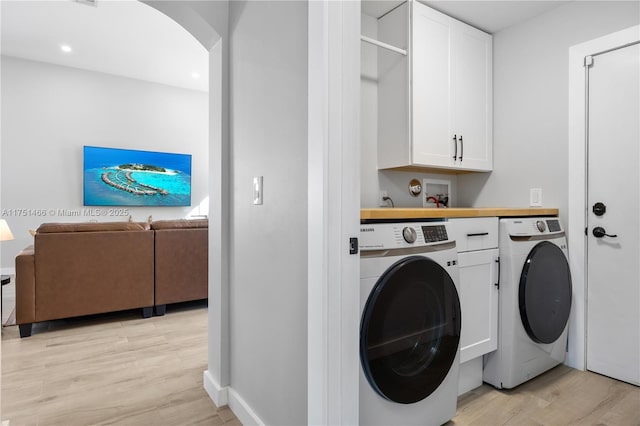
[[535, 197], [257, 190]]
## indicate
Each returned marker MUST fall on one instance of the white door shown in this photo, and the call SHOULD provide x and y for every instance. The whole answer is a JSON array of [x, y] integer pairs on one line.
[[472, 97], [479, 301], [613, 266], [433, 143]]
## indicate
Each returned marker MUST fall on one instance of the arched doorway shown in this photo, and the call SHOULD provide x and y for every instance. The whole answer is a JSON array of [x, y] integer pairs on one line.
[[208, 25]]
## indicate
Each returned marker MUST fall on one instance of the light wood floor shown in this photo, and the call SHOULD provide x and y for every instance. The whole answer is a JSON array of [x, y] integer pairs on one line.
[[115, 369], [119, 369], [561, 396]]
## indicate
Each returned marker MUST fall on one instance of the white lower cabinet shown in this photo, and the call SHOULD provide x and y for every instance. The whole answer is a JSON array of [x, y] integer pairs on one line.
[[477, 243], [479, 302]]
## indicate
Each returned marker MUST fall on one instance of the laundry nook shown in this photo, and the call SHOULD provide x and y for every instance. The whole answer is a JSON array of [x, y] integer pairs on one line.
[[320, 212]]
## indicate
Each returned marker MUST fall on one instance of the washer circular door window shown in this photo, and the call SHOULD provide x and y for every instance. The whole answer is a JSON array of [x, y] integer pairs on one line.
[[410, 330], [545, 293]]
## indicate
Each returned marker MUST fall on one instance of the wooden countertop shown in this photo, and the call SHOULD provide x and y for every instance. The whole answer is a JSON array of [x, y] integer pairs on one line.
[[420, 213]]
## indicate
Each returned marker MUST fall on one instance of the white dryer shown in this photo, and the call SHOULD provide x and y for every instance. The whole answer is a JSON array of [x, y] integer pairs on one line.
[[410, 324], [535, 301]]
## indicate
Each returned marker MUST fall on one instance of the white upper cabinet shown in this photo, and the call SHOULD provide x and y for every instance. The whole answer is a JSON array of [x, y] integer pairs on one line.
[[435, 104]]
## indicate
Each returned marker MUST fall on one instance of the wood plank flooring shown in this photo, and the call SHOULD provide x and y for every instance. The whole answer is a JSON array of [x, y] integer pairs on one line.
[[561, 396], [119, 369], [114, 369]]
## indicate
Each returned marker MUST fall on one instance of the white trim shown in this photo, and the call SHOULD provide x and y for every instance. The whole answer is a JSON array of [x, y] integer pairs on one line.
[[576, 356], [317, 360], [8, 271], [218, 394], [333, 212], [219, 219], [242, 410]]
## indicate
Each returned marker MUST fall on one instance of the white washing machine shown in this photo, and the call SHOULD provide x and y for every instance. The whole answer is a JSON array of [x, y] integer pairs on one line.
[[535, 301], [410, 324]]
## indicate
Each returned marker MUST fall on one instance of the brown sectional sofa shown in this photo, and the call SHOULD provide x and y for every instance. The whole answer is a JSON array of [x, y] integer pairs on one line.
[[181, 261], [77, 269]]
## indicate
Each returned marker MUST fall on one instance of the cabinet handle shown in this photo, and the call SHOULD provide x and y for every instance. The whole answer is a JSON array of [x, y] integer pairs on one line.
[[461, 147], [479, 234], [455, 146], [497, 284]]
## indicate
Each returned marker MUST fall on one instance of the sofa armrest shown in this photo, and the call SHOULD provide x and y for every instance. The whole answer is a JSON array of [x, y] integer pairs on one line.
[[25, 286]]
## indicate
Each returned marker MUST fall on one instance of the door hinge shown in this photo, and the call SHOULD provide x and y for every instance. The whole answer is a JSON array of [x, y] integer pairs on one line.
[[588, 61], [353, 245]]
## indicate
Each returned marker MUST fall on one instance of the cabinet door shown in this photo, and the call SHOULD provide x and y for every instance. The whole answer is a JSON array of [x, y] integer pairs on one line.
[[432, 142], [479, 303], [472, 96]]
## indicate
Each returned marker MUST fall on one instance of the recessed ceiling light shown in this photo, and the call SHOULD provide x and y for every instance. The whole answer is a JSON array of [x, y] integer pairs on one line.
[[195, 75], [65, 48]]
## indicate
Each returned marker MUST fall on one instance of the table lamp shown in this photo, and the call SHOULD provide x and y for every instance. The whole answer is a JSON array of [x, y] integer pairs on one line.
[[5, 232]]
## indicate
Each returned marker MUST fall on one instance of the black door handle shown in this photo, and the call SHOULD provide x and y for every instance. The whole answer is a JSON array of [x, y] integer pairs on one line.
[[599, 232], [455, 146]]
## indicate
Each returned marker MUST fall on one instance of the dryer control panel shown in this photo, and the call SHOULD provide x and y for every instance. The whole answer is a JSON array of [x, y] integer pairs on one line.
[[533, 226]]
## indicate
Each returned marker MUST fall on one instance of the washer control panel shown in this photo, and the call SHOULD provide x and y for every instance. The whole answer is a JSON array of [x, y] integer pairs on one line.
[[403, 235], [434, 234], [554, 225]]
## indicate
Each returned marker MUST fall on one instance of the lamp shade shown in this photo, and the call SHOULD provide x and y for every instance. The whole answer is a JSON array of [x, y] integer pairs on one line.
[[5, 232]]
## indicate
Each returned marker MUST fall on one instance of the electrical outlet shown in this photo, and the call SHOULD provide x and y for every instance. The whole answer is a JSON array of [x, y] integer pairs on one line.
[[535, 197], [381, 201]]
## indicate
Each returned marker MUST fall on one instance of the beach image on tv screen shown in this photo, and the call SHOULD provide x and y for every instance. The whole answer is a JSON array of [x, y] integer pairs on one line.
[[123, 177]]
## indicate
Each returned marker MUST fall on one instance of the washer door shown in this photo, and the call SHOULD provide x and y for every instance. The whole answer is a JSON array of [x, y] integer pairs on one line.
[[545, 293], [410, 330]]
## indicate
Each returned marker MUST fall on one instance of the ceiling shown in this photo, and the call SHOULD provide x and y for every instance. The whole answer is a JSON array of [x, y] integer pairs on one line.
[[131, 39], [125, 38], [489, 16]]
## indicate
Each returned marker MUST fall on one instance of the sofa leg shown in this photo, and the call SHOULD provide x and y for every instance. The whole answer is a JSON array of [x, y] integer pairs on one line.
[[161, 309], [25, 329], [147, 311]]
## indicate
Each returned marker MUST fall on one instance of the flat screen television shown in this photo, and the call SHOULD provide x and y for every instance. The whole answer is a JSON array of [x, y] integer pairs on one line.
[[125, 177]]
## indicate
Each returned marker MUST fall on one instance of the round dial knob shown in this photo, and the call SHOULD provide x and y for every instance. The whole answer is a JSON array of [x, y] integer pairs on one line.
[[409, 234], [541, 226]]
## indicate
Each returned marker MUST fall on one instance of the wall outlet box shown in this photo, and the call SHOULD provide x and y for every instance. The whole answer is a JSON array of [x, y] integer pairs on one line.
[[436, 193], [535, 197]]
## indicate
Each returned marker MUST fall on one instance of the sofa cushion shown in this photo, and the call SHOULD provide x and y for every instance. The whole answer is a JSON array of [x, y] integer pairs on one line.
[[85, 273], [49, 228], [179, 224]]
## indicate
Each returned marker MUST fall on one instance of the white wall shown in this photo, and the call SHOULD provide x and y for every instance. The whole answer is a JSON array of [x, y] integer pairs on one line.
[[396, 183], [268, 290], [531, 86], [50, 112]]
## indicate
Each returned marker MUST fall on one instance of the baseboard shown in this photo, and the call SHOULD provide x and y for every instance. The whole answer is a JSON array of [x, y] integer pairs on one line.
[[222, 396], [218, 394], [242, 410]]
